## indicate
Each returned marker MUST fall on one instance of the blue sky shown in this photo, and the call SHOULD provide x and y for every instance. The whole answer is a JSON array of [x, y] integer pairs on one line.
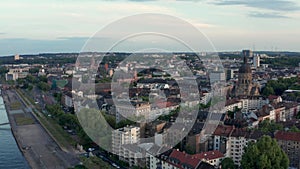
[[65, 25]]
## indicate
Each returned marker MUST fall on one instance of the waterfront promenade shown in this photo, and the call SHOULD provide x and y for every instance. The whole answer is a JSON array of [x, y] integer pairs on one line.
[[39, 148]]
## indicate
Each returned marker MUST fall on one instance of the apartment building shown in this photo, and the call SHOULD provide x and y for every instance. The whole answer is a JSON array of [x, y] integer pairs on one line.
[[16, 73], [232, 141], [231, 104], [125, 135], [175, 159], [290, 144], [253, 103], [137, 109]]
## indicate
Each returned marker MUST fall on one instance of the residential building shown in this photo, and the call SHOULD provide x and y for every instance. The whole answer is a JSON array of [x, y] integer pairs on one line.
[[232, 141], [229, 74], [16, 73], [256, 61], [125, 135], [176, 159], [290, 144], [254, 102], [67, 99], [135, 154], [231, 104], [217, 76], [136, 109], [213, 158]]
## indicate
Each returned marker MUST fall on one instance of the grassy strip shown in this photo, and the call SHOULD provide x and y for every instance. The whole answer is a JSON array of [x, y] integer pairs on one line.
[[58, 133], [94, 163], [15, 106], [21, 120], [21, 94]]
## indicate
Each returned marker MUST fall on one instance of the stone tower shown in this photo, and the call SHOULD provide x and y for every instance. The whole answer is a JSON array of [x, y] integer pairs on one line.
[[244, 86]]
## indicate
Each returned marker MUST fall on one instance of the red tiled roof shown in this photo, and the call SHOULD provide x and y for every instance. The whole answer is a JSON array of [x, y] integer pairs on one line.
[[289, 136], [272, 97], [210, 155], [184, 158], [231, 101], [223, 130], [164, 104]]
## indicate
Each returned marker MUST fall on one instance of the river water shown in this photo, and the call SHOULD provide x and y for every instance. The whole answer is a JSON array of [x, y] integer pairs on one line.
[[10, 154]]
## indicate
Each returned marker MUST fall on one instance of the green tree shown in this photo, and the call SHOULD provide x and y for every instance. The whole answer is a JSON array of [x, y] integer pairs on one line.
[[43, 86], [34, 70], [268, 126], [30, 87], [227, 163], [43, 79], [3, 70], [277, 87], [268, 91], [264, 154], [10, 82], [31, 79], [294, 129], [298, 115]]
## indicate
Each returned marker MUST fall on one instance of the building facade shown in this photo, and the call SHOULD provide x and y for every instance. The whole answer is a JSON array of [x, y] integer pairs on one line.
[[125, 135], [290, 144]]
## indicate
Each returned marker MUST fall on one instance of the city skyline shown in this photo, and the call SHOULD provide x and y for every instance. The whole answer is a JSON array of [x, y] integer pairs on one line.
[[231, 25]]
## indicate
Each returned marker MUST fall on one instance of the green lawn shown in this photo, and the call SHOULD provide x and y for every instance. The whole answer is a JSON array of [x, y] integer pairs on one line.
[[61, 83], [22, 120], [15, 105], [94, 163]]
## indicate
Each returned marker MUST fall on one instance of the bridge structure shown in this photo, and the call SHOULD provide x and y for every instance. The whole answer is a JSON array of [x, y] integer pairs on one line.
[[4, 128], [2, 124]]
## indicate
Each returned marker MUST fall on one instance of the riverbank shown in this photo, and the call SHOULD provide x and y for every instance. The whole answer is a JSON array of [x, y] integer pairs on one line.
[[38, 147], [11, 155]]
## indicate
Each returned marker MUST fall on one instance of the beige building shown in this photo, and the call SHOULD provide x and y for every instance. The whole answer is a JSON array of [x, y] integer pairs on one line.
[[17, 57], [290, 144], [125, 135], [17, 73], [135, 110]]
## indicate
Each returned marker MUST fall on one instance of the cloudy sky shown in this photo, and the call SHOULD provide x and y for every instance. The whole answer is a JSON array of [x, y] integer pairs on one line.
[[64, 25]]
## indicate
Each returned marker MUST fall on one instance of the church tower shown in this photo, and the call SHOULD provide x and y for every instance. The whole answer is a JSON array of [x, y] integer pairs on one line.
[[244, 86]]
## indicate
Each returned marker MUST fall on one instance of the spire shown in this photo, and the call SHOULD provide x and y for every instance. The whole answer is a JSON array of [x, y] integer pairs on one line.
[[245, 59], [247, 54]]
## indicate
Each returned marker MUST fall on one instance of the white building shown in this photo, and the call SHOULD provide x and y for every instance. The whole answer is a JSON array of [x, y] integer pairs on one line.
[[125, 135], [253, 103], [256, 61], [135, 154], [17, 73], [232, 104], [232, 141], [17, 57], [205, 97]]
